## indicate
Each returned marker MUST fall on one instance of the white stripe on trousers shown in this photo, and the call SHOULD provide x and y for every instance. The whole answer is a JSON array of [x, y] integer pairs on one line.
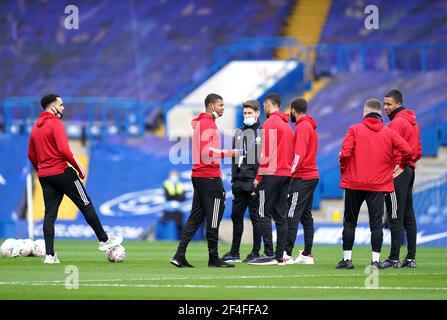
[[393, 205], [261, 203], [81, 192], [215, 213], [293, 204]]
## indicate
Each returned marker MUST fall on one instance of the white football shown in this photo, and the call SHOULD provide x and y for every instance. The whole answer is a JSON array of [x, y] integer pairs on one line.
[[39, 248], [26, 247], [116, 254], [10, 248]]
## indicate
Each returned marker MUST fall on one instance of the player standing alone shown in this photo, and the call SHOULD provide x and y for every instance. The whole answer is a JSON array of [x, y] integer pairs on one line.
[[49, 153]]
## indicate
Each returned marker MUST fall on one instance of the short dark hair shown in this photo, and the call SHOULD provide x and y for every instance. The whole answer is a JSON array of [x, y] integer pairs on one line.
[[211, 98], [274, 98], [47, 99], [299, 105], [374, 104], [396, 95], [253, 104]]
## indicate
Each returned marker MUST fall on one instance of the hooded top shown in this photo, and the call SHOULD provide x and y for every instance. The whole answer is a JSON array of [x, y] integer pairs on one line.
[[404, 122], [206, 152], [277, 146], [245, 166], [306, 144], [367, 156], [48, 148]]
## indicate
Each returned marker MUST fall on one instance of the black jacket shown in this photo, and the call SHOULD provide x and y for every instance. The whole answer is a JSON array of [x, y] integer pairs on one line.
[[245, 166]]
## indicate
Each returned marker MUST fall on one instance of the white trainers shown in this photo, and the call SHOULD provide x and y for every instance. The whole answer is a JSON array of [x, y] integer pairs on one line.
[[304, 259], [110, 243], [51, 259], [286, 259]]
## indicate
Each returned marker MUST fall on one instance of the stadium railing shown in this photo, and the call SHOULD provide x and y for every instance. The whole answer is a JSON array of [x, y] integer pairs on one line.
[[254, 48], [378, 57], [430, 201], [433, 124], [91, 117], [325, 59]]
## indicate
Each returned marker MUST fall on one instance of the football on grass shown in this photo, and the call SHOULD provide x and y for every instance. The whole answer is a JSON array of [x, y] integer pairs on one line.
[[116, 254]]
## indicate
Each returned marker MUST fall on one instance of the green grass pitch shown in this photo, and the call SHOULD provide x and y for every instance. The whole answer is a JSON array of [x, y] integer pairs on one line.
[[146, 274]]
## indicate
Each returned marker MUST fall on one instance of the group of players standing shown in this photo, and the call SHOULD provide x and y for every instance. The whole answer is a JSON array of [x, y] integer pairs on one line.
[[274, 174]]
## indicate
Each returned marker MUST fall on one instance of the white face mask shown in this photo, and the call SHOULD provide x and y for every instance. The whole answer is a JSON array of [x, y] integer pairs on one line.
[[250, 121], [215, 114]]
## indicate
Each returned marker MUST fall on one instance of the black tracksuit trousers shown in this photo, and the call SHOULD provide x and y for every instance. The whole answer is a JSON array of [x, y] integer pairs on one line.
[[208, 203], [273, 204], [54, 188], [300, 200], [353, 202], [400, 214], [241, 200]]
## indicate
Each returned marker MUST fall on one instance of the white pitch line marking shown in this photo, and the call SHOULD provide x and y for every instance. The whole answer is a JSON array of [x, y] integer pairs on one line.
[[57, 282], [244, 287]]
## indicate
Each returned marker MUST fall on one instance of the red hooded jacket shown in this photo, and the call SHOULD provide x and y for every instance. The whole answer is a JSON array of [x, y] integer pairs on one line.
[[306, 144], [277, 147], [48, 148], [404, 122], [367, 156], [206, 152]]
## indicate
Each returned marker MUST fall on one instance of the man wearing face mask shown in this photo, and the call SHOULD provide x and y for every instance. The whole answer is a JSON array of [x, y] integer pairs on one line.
[[209, 194], [49, 153], [304, 181], [245, 166]]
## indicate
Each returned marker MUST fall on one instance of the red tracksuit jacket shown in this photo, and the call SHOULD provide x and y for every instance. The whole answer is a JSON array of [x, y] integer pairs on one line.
[[306, 144], [206, 152], [277, 147], [367, 156], [404, 122], [48, 148]]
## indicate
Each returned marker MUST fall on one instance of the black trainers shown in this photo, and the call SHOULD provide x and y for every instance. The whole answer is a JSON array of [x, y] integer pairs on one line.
[[251, 256], [409, 263], [344, 264], [230, 257], [389, 263], [377, 264], [219, 263], [264, 261], [180, 262]]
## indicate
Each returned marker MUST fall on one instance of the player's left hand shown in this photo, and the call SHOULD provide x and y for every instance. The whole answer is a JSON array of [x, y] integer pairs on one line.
[[397, 171]]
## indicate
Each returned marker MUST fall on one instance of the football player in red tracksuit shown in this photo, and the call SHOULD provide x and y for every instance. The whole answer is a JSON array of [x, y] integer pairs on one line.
[[303, 183], [273, 178], [400, 202], [367, 164], [49, 152], [209, 194]]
